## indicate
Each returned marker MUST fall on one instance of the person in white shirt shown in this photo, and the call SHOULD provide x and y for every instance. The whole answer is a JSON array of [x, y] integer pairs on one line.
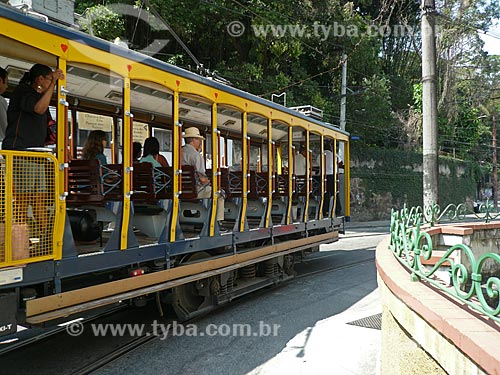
[[300, 162], [191, 156], [4, 83]]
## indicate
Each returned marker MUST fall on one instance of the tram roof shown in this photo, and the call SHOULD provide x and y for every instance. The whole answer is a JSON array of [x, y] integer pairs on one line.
[[72, 34]]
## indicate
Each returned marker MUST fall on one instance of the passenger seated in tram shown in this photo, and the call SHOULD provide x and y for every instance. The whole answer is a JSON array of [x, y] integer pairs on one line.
[[191, 155], [94, 146], [152, 154], [136, 152], [300, 161]]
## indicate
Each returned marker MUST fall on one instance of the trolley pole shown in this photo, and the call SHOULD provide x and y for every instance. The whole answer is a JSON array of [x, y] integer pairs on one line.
[[429, 105]]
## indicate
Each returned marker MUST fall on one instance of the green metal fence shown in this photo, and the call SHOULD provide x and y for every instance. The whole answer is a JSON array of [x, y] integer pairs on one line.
[[412, 244]]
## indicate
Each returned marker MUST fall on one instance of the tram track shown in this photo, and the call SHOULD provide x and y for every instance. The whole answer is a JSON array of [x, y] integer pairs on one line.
[[98, 346], [48, 332], [151, 336], [116, 354]]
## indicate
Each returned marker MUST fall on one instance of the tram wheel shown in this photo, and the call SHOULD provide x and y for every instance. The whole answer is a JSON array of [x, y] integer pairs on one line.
[[189, 300]]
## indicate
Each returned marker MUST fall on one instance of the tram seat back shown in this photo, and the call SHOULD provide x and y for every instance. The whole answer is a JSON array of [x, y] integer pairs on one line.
[[143, 182], [89, 182], [232, 183], [316, 185], [84, 182], [258, 185], [111, 179], [189, 190], [300, 185], [163, 178], [281, 182]]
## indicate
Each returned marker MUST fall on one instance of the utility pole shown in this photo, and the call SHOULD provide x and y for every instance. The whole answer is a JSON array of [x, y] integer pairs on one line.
[[343, 101], [429, 104], [494, 156]]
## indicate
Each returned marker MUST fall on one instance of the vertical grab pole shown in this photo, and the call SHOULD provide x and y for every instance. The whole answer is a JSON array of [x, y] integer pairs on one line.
[[308, 176], [215, 170], [62, 158], [322, 176], [291, 170], [347, 182], [270, 171], [219, 160], [244, 171], [127, 169], [336, 178], [176, 164]]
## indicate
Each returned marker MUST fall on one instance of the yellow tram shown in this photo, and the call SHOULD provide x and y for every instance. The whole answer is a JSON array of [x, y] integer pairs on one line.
[[125, 230]]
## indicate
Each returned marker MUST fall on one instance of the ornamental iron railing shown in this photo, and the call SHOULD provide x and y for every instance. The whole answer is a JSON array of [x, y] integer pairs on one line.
[[412, 245]]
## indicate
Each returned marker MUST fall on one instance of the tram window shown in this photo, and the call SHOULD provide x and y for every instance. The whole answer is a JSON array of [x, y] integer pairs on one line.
[[98, 84], [263, 158], [208, 151], [229, 122], [280, 137], [255, 158], [150, 100], [315, 147], [257, 130], [235, 154], [164, 137], [151, 105], [88, 122], [97, 96]]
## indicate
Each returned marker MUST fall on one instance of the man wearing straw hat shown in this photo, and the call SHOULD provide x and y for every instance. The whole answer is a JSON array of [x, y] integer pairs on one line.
[[191, 155]]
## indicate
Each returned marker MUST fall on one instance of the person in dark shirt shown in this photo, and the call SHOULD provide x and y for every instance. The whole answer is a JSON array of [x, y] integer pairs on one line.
[[27, 115], [136, 151], [4, 84], [27, 121]]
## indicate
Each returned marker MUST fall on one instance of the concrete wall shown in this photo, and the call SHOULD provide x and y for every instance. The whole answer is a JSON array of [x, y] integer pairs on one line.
[[385, 179]]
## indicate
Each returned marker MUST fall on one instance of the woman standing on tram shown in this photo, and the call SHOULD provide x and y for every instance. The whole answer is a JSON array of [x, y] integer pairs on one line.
[[28, 108], [28, 119]]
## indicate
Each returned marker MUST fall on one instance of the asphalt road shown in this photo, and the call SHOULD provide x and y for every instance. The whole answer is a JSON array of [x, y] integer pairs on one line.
[[300, 327]]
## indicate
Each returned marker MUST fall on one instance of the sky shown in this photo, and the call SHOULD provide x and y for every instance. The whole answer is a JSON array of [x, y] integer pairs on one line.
[[492, 45]]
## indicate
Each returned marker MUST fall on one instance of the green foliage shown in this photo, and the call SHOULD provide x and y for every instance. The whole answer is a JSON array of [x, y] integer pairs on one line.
[[104, 23], [384, 100], [417, 97]]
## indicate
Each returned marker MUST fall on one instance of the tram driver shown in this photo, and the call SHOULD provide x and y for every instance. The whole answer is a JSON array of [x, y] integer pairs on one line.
[[191, 155]]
